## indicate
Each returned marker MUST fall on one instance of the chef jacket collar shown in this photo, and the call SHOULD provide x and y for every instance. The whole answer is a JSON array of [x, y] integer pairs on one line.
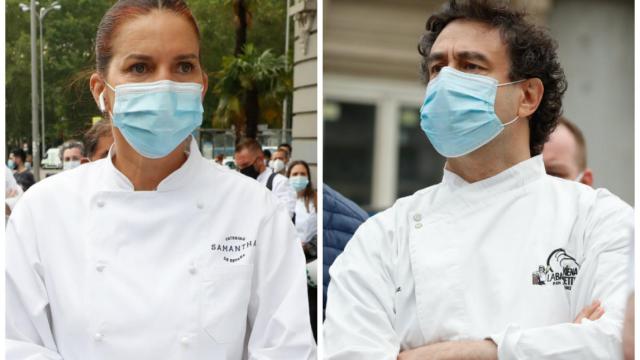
[[116, 180], [514, 177]]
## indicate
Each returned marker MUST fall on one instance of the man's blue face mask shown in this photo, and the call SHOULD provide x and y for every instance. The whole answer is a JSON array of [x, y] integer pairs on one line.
[[458, 114], [156, 117]]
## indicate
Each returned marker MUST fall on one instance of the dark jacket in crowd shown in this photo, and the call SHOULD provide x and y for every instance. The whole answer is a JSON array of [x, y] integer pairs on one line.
[[24, 179], [341, 217]]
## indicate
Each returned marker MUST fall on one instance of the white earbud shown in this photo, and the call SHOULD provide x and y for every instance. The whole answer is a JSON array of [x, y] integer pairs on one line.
[[101, 102]]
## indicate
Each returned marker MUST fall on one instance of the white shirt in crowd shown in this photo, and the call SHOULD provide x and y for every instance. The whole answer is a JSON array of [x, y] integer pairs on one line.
[[281, 189], [306, 221], [460, 261], [206, 267]]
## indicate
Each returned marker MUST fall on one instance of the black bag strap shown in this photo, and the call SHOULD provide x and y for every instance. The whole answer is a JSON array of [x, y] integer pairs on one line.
[[270, 181]]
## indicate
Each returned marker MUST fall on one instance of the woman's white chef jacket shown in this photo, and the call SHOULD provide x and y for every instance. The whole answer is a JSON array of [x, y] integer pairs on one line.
[[460, 261], [306, 221], [206, 267]]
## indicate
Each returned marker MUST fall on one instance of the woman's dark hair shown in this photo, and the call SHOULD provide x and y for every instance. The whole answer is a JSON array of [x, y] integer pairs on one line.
[[127, 9], [531, 50], [309, 193]]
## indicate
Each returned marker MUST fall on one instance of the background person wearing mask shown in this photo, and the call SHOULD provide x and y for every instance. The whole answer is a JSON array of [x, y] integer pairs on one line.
[[306, 202], [249, 159], [279, 161], [21, 173], [450, 271], [98, 140], [71, 154], [148, 260], [565, 154]]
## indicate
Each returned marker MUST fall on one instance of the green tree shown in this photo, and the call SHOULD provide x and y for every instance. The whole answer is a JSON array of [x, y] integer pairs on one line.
[[69, 60]]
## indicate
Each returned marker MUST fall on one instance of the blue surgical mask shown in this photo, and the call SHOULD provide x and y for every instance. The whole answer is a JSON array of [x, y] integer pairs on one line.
[[156, 117], [11, 164], [298, 183], [458, 114]]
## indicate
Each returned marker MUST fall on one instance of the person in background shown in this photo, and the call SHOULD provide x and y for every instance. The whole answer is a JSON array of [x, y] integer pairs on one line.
[[565, 154], [22, 174], [249, 159], [219, 159], [267, 156], [299, 176], [279, 161], [286, 147], [12, 192], [341, 218], [71, 154], [98, 140]]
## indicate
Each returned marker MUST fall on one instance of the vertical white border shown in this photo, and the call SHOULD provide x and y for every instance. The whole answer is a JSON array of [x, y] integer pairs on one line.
[[3, 139], [636, 162], [320, 159]]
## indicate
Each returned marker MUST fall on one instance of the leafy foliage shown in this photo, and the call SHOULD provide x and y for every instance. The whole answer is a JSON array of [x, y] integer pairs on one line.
[[69, 60]]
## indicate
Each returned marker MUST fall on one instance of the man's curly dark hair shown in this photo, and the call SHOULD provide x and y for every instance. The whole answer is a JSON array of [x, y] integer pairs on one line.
[[532, 55]]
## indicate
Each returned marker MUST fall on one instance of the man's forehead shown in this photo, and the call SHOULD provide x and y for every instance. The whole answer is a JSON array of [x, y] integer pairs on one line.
[[469, 36]]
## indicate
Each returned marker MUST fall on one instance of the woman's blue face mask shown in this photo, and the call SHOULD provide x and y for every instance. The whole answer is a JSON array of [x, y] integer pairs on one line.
[[156, 117]]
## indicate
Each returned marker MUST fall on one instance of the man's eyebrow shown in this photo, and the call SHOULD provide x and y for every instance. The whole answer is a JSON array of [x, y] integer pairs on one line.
[[436, 56], [472, 55]]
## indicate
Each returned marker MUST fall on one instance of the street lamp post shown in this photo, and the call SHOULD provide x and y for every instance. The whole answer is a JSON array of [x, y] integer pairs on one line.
[[43, 12], [35, 137]]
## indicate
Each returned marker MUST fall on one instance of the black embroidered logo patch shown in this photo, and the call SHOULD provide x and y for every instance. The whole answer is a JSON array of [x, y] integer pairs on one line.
[[233, 248], [561, 269]]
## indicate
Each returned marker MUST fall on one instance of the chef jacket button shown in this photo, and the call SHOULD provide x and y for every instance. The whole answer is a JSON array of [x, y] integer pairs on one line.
[[100, 203], [200, 205], [192, 269], [184, 340], [100, 266], [98, 336], [417, 217], [418, 225]]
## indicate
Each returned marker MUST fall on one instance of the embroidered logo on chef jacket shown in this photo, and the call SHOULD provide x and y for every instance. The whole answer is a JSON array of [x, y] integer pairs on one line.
[[233, 248], [561, 269]]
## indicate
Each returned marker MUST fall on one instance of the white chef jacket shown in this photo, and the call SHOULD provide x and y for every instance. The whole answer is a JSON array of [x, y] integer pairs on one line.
[[206, 267], [306, 221], [281, 189], [456, 261]]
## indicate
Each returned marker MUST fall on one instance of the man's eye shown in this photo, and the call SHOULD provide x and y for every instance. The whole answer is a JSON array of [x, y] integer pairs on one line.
[[138, 68], [472, 67]]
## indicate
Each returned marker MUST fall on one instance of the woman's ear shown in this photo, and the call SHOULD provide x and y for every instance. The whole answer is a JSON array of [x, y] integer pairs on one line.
[[205, 84], [533, 91], [96, 85]]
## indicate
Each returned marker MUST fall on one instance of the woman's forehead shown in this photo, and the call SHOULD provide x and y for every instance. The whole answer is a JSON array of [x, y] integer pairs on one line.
[[160, 32]]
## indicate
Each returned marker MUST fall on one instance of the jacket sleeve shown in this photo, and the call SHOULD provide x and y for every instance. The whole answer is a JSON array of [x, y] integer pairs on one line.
[[278, 309], [603, 276], [359, 314], [28, 327]]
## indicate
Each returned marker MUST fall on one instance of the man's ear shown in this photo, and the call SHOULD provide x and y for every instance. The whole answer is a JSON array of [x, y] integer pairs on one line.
[[587, 177], [96, 85], [533, 90]]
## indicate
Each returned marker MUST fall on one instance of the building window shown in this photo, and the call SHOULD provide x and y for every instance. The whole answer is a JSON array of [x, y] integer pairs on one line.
[[348, 148], [419, 164]]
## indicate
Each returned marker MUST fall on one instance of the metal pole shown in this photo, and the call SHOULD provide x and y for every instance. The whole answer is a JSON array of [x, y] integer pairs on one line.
[[35, 136], [44, 134], [285, 103]]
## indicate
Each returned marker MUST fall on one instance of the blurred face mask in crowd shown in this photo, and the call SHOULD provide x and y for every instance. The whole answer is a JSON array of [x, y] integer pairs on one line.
[[72, 164], [458, 114], [11, 164], [277, 165], [250, 171], [298, 183], [156, 117]]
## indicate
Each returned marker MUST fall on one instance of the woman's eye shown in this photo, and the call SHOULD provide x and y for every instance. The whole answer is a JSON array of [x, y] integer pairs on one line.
[[435, 69], [185, 67], [138, 68]]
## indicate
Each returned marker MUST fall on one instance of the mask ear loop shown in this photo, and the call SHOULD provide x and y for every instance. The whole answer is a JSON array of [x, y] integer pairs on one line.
[[101, 103], [511, 83]]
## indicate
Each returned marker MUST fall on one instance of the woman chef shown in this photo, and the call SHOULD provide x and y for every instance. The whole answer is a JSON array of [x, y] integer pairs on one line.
[[153, 253]]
